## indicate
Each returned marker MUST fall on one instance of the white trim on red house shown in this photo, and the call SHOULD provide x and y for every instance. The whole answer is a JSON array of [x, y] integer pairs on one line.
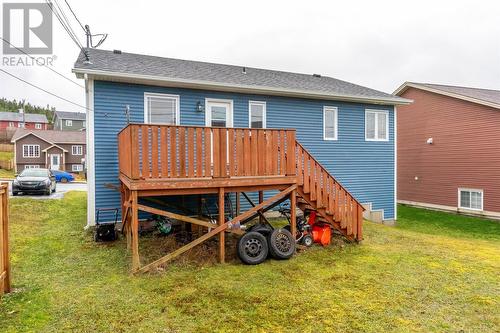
[[407, 85]]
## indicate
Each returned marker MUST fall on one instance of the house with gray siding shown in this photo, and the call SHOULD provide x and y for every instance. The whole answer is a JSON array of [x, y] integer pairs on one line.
[[69, 121], [49, 149], [349, 129]]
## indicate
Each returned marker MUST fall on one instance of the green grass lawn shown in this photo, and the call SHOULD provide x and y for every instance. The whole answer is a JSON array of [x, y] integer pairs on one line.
[[429, 274]]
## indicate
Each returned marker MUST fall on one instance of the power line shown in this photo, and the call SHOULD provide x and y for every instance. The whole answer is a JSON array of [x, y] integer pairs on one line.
[[33, 58], [45, 91], [76, 17], [69, 30]]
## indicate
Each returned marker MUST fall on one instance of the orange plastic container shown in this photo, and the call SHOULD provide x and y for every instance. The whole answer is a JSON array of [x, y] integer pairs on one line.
[[322, 234]]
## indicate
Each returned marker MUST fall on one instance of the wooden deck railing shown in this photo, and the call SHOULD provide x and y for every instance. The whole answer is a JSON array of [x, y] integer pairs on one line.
[[4, 239], [323, 189], [164, 151]]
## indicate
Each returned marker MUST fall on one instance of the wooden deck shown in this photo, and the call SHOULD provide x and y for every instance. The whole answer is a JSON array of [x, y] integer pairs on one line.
[[163, 160]]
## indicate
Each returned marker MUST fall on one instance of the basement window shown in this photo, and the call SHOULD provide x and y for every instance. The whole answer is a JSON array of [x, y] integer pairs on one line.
[[376, 125], [470, 199], [161, 109]]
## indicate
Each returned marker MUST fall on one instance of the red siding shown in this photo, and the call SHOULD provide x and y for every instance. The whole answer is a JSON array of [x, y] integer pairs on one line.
[[28, 125], [465, 152]]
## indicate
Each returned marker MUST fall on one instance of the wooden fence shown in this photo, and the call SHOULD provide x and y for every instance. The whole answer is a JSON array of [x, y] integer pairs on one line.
[[4, 239], [6, 164]]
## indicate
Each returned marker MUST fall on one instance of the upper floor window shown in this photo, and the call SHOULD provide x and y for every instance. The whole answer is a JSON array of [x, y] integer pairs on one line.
[[38, 126], [330, 123], [69, 122], [257, 114], [161, 109], [31, 150], [20, 125], [84, 123], [376, 125], [470, 199], [11, 124], [77, 150]]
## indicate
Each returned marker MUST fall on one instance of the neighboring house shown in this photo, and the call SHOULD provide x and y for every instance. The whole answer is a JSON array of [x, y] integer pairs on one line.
[[449, 148], [69, 121], [49, 149], [23, 120], [348, 128]]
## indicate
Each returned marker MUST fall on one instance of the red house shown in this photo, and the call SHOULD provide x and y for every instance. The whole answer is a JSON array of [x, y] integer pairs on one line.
[[448, 148], [23, 120]]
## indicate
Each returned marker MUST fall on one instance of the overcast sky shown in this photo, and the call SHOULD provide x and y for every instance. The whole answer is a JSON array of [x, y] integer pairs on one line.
[[378, 44]]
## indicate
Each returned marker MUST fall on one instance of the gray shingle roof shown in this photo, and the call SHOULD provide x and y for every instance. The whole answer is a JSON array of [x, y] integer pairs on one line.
[[227, 75], [483, 96], [70, 115], [53, 136], [28, 117], [487, 95]]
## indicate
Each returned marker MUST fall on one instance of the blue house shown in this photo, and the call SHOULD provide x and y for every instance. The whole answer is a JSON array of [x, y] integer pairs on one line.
[[348, 129]]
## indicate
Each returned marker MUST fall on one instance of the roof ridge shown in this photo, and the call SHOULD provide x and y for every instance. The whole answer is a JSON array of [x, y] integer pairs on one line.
[[455, 86]]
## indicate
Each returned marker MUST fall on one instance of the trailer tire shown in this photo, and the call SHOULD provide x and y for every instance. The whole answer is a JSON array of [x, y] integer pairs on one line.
[[281, 244], [252, 248]]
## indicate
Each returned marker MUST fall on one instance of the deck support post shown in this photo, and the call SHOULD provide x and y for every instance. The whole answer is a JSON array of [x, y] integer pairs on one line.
[[221, 221], [293, 212], [135, 231], [261, 198], [238, 204]]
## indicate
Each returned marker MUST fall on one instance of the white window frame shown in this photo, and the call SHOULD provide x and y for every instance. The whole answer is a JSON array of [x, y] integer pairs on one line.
[[34, 150], [76, 167], [38, 126], [84, 123], [32, 166], [21, 125], [69, 122], [77, 148], [336, 117], [264, 113], [11, 124], [470, 190], [377, 112], [165, 96], [208, 114]]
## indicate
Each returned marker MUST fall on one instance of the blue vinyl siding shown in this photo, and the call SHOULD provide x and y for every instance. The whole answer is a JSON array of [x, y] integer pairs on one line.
[[365, 168]]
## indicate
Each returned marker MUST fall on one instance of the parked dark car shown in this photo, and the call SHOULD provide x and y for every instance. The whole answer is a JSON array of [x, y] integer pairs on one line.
[[34, 181], [63, 176]]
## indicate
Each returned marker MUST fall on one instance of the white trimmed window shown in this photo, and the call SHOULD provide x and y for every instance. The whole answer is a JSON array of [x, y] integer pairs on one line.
[[470, 199], [330, 120], [84, 123], [11, 124], [77, 167], [20, 125], [32, 166], [376, 125], [77, 150], [31, 151], [161, 109], [69, 122], [256, 114], [38, 126]]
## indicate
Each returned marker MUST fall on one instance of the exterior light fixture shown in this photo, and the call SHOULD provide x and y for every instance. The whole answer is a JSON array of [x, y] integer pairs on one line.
[[430, 141], [199, 107]]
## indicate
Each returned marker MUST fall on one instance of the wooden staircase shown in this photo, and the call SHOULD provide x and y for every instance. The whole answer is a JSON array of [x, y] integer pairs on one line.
[[318, 190]]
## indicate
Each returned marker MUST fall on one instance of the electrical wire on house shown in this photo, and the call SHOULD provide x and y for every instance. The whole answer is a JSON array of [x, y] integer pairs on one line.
[[61, 17], [74, 15], [34, 59], [44, 90]]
